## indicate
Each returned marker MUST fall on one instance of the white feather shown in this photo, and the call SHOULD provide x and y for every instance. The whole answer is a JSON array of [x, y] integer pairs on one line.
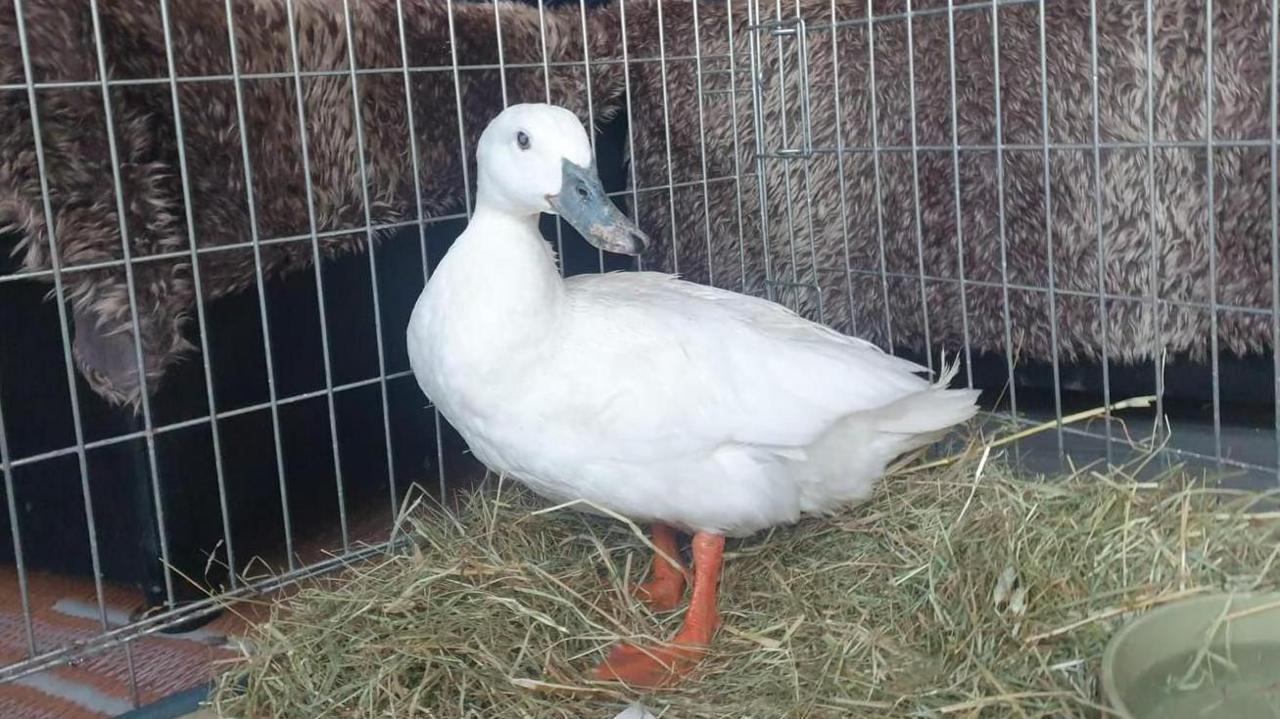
[[635, 711]]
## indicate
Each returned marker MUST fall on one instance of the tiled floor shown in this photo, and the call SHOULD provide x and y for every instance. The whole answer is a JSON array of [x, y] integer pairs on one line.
[[65, 610]]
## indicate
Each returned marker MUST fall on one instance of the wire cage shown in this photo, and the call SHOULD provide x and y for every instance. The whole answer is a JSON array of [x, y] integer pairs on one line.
[[211, 254]]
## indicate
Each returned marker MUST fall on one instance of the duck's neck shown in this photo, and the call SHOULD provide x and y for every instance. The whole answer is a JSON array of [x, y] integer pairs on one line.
[[508, 273]]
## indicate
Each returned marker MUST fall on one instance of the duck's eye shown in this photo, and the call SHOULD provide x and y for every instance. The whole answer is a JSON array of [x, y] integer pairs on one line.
[[522, 139]]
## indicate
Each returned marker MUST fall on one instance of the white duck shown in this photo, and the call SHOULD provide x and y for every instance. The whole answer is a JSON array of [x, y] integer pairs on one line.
[[671, 403]]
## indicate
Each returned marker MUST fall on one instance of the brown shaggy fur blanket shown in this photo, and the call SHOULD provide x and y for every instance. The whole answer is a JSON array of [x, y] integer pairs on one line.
[[829, 214]]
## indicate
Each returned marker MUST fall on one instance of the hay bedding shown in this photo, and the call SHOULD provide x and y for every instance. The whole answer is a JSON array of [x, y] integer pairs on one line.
[[941, 596]]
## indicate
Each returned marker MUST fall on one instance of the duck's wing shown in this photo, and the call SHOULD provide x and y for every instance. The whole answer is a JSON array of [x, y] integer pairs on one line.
[[699, 366]]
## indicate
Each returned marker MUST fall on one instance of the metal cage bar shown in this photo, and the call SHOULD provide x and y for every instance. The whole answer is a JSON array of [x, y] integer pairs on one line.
[[502, 58], [1000, 212], [806, 164], [631, 130], [371, 253], [915, 182], [260, 285], [188, 423], [304, 142], [15, 535], [288, 75], [737, 148], [955, 173], [757, 121], [1275, 221], [546, 85], [197, 282], [122, 215], [666, 122], [1212, 229], [872, 18], [457, 99], [840, 176], [416, 164], [1099, 225], [779, 28], [306, 237], [702, 140], [1048, 229], [591, 109], [1153, 236], [875, 169]]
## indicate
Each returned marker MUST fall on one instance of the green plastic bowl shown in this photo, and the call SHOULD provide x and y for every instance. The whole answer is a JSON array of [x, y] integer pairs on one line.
[[1209, 657]]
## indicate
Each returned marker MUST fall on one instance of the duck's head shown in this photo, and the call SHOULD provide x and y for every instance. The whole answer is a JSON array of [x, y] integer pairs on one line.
[[537, 158]]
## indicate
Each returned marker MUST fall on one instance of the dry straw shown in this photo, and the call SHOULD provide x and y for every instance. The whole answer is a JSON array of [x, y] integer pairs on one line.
[[961, 589]]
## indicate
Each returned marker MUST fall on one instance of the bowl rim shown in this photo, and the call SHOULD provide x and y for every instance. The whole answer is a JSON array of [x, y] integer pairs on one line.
[[1114, 702]]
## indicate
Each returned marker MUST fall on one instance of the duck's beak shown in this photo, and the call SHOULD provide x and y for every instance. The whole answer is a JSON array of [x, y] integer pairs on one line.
[[583, 203]]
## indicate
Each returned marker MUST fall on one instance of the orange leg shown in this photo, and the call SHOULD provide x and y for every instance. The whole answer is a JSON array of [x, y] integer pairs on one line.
[[665, 588], [654, 667]]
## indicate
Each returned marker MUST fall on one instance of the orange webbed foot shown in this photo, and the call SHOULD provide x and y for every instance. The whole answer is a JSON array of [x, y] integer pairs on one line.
[[660, 595], [650, 667], [653, 667], [665, 587]]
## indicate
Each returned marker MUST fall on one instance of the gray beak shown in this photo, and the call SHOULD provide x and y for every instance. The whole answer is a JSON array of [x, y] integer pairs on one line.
[[583, 203]]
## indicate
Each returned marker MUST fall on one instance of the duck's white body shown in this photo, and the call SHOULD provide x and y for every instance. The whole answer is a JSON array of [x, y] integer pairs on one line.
[[659, 399]]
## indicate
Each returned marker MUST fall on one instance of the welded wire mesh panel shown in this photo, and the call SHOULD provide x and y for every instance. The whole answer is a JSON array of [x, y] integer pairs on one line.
[[217, 217], [1065, 193], [208, 406]]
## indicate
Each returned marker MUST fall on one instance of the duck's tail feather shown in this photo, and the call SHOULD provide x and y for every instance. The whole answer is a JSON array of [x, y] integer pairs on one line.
[[850, 456], [932, 410], [946, 372]]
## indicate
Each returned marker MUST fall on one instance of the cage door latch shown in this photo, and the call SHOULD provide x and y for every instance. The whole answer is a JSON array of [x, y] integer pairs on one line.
[[791, 97]]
